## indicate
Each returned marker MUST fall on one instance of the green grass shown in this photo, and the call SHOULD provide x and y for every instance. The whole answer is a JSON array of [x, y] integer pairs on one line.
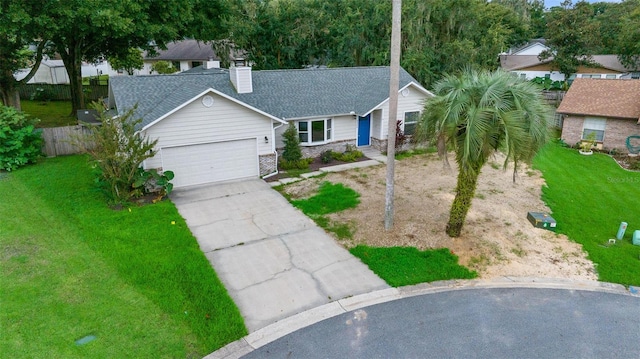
[[102, 79], [589, 196], [414, 152], [71, 267], [400, 266], [331, 198], [50, 113]]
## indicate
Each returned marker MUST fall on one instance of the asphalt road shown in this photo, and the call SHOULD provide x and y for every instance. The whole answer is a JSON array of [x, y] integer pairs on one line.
[[475, 323]]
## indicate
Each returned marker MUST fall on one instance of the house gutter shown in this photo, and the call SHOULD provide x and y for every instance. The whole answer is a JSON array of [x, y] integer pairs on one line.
[[318, 117]]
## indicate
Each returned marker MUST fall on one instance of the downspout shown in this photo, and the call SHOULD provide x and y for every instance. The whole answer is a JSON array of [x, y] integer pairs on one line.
[[274, 173], [274, 151]]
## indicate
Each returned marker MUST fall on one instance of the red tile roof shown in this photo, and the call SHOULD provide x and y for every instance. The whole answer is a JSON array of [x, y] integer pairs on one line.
[[603, 97]]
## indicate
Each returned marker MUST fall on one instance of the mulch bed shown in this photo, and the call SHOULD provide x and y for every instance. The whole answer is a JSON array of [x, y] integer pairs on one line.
[[625, 161]]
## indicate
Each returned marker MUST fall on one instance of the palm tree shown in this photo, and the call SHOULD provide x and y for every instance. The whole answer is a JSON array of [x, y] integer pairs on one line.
[[477, 113]]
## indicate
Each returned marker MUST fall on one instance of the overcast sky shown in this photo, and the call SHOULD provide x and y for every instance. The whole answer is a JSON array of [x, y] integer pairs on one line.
[[550, 3]]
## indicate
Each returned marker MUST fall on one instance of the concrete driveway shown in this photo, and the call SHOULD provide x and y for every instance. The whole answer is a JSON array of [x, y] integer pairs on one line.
[[274, 261]]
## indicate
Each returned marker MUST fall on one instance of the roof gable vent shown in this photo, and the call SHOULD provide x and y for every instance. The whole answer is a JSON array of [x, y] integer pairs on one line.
[[241, 79]]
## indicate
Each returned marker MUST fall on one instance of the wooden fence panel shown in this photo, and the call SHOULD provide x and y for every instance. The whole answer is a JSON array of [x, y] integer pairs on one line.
[[61, 92], [59, 140]]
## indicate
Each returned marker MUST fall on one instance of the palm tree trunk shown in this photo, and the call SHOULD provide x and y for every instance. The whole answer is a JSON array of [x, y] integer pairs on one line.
[[465, 190]]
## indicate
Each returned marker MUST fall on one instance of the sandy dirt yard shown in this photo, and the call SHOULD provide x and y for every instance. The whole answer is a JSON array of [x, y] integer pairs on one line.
[[497, 239]]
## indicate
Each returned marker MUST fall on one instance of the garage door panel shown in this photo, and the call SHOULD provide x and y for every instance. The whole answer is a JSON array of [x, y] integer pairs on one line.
[[211, 162]]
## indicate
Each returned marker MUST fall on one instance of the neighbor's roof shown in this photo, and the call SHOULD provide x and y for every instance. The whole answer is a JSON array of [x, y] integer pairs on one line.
[[185, 50], [531, 43], [521, 62], [603, 97], [283, 94]]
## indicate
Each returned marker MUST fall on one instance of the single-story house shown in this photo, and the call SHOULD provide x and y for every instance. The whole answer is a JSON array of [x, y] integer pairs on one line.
[[185, 55], [221, 124], [608, 108], [530, 67]]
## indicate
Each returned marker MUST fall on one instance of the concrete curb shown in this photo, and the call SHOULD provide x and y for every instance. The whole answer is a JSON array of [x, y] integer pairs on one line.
[[289, 325]]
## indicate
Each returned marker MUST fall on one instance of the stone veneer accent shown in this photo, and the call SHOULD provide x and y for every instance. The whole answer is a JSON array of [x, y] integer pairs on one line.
[[615, 133], [267, 164], [315, 151], [381, 145]]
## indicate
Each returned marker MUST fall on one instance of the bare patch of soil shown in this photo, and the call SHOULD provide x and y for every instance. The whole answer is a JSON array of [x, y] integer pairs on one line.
[[497, 239]]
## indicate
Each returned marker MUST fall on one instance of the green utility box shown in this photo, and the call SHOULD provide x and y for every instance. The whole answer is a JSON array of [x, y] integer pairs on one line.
[[542, 220]]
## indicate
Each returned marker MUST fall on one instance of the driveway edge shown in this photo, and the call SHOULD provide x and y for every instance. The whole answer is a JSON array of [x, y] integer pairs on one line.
[[289, 325]]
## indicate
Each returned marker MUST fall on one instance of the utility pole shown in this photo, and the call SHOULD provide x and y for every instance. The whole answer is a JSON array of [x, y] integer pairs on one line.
[[394, 83]]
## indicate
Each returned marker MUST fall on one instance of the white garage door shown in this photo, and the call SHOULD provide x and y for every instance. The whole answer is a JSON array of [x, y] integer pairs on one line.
[[211, 162]]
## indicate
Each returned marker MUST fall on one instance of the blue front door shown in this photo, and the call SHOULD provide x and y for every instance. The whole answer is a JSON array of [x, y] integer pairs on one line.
[[364, 130]]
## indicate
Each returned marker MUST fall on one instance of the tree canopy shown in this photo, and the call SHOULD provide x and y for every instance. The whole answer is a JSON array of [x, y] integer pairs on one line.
[[20, 26], [575, 33], [87, 30], [438, 36]]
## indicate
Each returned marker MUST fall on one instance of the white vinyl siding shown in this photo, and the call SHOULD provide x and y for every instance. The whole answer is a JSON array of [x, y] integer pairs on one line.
[[344, 128], [413, 101], [197, 124], [594, 125]]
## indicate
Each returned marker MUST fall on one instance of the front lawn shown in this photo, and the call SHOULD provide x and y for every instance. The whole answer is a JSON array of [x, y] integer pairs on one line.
[[398, 266], [50, 113], [589, 197], [81, 280]]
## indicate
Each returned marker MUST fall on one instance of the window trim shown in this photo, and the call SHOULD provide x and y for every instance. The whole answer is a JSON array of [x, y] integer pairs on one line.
[[588, 125], [405, 122], [308, 133]]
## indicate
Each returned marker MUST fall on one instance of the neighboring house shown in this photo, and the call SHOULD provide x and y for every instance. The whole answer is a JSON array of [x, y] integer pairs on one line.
[[185, 55], [533, 47], [529, 67], [223, 124], [608, 108], [54, 72], [524, 62]]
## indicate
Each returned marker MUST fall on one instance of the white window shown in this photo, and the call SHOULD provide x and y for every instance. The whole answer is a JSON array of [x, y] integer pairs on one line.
[[611, 76], [591, 76], [410, 122], [594, 125], [315, 131]]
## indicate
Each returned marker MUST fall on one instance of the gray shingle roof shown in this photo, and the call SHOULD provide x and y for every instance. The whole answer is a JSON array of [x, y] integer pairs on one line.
[[185, 50], [285, 94]]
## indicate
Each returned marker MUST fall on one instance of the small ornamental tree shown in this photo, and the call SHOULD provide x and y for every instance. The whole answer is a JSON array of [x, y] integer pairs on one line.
[[20, 141], [401, 138], [129, 62], [163, 67], [291, 152], [117, 150]]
